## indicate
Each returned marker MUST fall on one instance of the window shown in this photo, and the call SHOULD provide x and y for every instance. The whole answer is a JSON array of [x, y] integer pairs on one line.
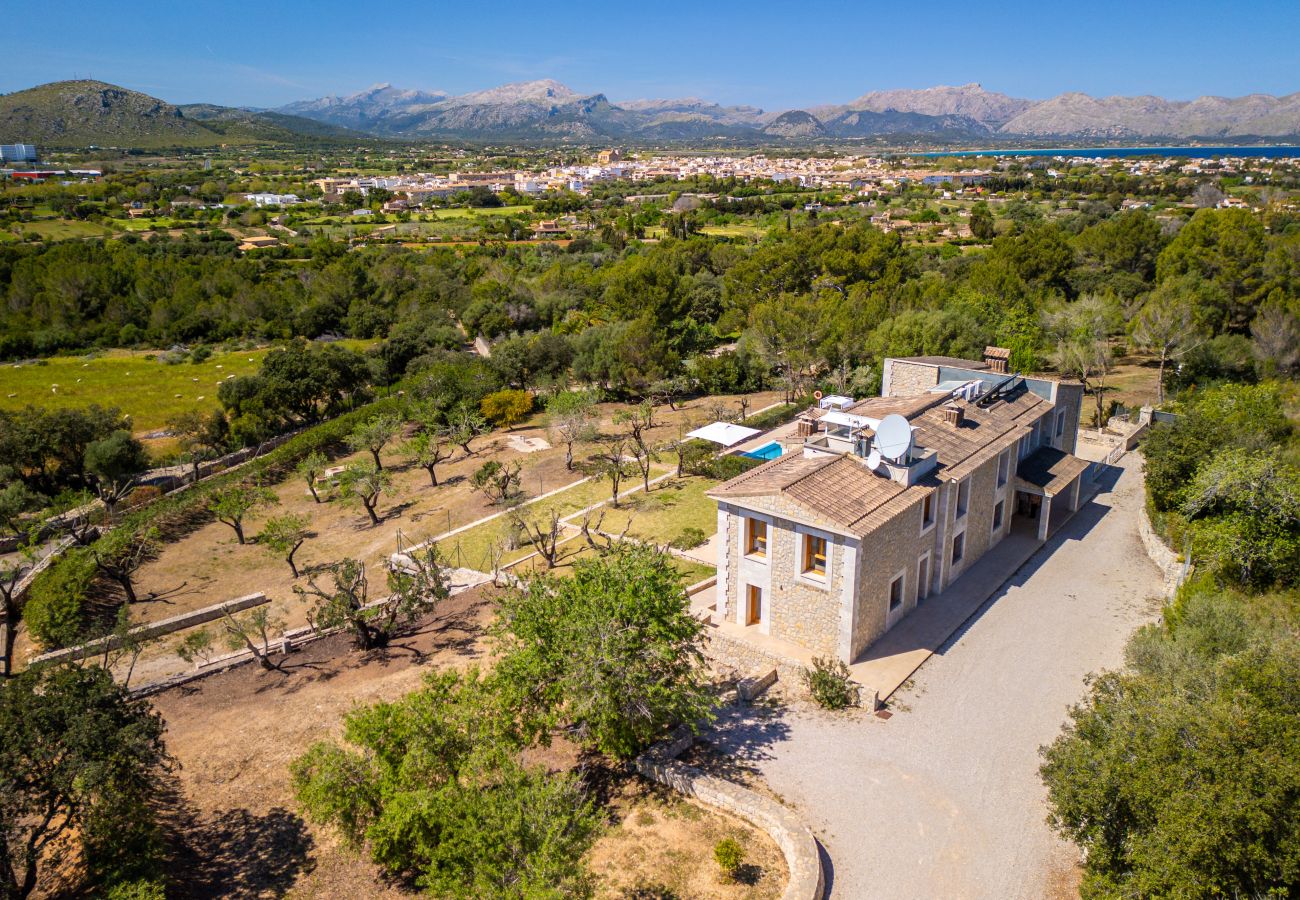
[[814, 555], [1004, 467], [997, 515], [927, 511], [1060, 423], [923, 578], [963, 497], [896, 593], [756, 537], [958, 547]]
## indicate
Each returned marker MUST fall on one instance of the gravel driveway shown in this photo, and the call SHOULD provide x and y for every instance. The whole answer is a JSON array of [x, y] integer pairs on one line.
[[943, 799]]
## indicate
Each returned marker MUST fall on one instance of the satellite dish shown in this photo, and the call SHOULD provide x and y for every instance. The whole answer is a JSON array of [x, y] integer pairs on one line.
[[873, 460], [893, 436]]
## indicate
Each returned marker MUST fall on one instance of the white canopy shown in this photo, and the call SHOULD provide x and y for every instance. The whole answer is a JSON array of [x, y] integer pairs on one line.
[[725, 433], [852, 421]]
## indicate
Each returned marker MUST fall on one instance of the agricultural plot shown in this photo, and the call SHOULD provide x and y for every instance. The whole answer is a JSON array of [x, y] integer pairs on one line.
[[147, 389]]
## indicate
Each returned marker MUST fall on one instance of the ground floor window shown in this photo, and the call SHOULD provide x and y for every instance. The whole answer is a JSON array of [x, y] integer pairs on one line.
[[923, 578], [997, 515], [896, 592], [958, 547]]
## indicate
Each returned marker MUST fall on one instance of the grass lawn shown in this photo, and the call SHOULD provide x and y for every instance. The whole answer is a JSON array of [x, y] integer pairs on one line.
[[470, 548], [739, 229], [670, 507], [474, 212], [65, 229]]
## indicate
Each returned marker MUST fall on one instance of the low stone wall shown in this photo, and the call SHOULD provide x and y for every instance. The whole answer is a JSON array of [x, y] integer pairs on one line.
[[744, 659], [153, 629], [798, 846], [1169, 563]]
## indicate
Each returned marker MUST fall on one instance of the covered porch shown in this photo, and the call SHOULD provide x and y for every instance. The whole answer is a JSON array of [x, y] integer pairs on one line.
[[1048, 483]]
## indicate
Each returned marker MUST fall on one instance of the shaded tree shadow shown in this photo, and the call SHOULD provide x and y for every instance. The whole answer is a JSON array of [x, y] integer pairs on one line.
[[234, 853]]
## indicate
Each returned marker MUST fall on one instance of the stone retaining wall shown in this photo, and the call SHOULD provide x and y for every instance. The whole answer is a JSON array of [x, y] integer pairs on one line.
[[725, 652], [798, 846], [153, 629], [1166, 559]]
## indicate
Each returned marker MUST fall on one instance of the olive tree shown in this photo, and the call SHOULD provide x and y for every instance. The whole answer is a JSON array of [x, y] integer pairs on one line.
[[363, 483], [230, 505]]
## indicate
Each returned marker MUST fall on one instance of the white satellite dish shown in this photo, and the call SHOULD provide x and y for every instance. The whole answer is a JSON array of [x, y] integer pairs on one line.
[[873, 460], [893, 437]]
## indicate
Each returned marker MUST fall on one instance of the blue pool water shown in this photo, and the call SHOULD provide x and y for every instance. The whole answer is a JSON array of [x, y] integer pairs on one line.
[[767, 451]]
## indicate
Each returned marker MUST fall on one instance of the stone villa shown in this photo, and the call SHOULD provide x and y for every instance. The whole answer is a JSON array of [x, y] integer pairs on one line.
[[832, 543]]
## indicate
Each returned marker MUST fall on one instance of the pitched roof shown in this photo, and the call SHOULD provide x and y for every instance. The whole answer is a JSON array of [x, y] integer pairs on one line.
[[837, 490], [1050, 469]]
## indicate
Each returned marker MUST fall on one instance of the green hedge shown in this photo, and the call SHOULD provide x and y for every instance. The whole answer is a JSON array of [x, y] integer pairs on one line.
[[778, 415], [55, 611]]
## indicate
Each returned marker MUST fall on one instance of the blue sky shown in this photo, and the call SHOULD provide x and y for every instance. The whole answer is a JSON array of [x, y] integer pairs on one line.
[[774, 55]]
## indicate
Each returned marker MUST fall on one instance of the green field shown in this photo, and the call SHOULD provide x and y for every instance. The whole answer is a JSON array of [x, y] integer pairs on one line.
[[147, 390], [660, 516]]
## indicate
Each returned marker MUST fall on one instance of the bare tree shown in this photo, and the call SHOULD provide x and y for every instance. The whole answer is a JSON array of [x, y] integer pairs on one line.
[[1206, 195], [545, 535], [638, 421], [595, 537], [570, 418], [11, 574], [1166, 325], [612, 464], [1275, 335], [1082, 331]]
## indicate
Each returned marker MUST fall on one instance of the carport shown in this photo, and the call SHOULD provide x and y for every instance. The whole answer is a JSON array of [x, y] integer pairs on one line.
[[1049, 481]]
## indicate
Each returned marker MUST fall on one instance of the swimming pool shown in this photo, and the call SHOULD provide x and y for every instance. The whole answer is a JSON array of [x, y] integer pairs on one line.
[[767, 451]]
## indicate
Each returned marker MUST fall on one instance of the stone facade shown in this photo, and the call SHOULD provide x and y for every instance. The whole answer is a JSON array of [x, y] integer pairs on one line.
[[907, 379], [892, 549], [803, 609]]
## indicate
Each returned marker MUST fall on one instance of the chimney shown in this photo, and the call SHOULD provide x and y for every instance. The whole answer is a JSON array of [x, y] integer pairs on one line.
[[998, 359], [953, 415]]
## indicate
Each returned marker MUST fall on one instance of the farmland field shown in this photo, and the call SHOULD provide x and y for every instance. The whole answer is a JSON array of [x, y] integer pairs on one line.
[[148, 390]]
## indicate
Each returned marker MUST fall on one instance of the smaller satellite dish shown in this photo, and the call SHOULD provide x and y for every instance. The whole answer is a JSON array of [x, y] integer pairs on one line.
[[873, 460], [893, 436]]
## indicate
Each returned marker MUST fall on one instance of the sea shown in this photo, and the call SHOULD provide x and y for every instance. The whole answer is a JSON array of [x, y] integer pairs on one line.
[[1108, 152]]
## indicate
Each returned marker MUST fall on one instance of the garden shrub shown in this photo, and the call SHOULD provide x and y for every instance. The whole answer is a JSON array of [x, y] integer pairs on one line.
[[730, 856], [688, 538], [828, 683]]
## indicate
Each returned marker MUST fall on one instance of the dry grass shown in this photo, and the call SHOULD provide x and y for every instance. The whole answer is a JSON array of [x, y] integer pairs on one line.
[[662, 846]]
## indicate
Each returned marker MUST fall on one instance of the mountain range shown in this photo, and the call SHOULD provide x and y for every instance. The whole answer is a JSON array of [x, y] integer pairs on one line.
[[76, 113], [550, 109]]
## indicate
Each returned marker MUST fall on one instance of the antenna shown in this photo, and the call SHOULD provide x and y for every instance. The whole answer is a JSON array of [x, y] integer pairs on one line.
[[894, 437]]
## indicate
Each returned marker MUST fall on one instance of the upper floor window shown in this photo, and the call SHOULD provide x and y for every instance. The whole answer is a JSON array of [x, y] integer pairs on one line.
[[963, 497], [1004, 467], [927, 511], [755, 537], [814, 555], [1060, 423]]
